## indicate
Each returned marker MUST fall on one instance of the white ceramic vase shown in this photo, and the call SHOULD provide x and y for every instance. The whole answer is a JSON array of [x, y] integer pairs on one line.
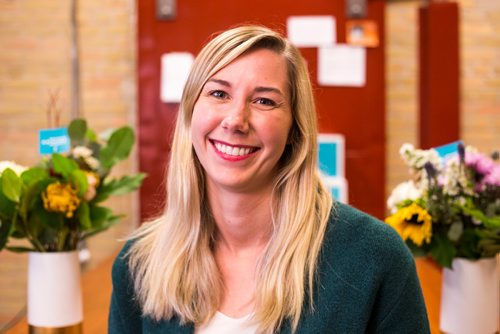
[[470, 297], [54, 293]]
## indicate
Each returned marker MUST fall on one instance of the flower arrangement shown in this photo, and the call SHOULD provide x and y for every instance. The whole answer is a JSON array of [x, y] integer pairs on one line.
[[58, 203], [450, 207]]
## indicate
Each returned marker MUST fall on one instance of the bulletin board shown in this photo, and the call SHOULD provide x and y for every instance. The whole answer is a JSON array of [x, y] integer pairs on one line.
[[358, 113]]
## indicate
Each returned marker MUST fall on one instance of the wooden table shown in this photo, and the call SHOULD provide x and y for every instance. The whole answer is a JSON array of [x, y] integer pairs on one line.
[[96, 288]]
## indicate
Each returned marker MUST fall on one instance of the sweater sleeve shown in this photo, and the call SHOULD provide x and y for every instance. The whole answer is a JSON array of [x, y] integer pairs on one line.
[[124, 313], [400, 306]]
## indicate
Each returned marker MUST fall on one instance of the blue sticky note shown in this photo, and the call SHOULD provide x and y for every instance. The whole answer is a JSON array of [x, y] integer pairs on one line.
[[53, 141], [448, 149], [338, 187], [331, 154]]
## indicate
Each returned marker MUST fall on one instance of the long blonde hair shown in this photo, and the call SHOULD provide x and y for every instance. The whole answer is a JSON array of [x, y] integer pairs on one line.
[[171, 259]]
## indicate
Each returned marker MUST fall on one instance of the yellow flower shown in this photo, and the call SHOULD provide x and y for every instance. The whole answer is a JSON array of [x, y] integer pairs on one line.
[[412, 222], [60, 198]]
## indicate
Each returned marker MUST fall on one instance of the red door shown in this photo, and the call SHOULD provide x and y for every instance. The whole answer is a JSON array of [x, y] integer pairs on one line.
[[356, 112]]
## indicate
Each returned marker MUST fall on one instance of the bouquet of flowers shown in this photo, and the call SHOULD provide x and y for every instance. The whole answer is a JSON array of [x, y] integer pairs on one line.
[[58, 203], [450, 207]]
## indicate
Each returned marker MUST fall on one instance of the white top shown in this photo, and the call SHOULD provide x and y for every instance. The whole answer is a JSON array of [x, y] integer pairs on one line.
[[222, 324]]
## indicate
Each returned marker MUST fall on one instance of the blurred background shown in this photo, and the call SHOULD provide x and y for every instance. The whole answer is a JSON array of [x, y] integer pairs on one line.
[[117, 47]]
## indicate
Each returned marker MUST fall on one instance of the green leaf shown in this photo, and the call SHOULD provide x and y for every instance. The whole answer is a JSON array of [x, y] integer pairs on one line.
[[490, 222], [442, 250], [7, 207], [79, 180], [32, 175], [102, 217], [63, 165], [6, 228], [31, 196], [118, 147], [91, 135], [11, 185], [120, 186], [83, 214], [20, 249], [54, 220], [77, 130]]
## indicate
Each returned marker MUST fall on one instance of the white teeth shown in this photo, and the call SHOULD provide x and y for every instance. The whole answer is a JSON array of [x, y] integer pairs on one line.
[[230, 150]]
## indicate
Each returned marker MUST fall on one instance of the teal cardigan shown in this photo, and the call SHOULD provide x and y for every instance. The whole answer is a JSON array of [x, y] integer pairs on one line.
[[366, 283]]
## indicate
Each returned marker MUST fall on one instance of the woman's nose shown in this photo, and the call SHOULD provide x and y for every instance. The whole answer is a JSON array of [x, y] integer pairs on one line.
[[237, 119]]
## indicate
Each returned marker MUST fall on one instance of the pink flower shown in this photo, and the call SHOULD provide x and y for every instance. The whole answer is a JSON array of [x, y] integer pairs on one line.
[[493, 178], [480, 162]]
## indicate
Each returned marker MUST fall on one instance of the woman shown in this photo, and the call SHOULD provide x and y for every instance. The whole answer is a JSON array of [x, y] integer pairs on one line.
[[249, 241]]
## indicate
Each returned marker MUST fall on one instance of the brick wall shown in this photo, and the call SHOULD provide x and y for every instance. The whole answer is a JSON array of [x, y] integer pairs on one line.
[[480, 78]]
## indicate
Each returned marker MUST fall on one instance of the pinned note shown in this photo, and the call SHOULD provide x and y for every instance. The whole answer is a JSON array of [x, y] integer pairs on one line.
[[175, 67], [311, 31], [342, 65]]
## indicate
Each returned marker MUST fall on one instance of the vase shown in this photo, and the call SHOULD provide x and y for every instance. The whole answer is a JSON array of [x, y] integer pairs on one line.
[[54, 293], [470, 297]]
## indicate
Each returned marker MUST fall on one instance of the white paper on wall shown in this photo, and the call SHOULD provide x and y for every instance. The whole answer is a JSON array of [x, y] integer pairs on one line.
[[175, 67], [311, 31], [342, 65]]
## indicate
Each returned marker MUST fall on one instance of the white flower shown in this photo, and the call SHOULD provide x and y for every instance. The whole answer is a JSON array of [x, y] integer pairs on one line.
[[454, 180], [18, 169], [403, 191], [418, 158], [81, 152], [92, 162]]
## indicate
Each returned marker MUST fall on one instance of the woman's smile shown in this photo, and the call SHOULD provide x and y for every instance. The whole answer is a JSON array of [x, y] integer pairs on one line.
[[233, 152]]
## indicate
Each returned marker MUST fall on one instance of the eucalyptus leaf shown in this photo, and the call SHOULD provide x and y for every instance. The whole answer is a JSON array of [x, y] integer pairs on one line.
[[83, 214], [19, 249], [79, 180], [7, 207], [118, 147], [63, 165], [77, 130], [32, 175], [124, 185], [443, 251], [11, 185], [6, 228]]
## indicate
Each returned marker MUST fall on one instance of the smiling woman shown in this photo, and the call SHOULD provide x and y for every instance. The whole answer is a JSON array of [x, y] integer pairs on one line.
[[241, 123], [250, 240]]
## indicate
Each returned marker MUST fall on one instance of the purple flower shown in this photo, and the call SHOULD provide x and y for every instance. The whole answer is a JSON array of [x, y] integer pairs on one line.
[[482, 164]]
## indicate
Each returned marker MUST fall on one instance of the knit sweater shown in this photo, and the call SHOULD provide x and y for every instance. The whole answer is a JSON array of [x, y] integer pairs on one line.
[[366, 283]]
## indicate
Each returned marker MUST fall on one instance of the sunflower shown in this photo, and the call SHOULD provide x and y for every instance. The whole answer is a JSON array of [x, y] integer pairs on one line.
[[412, 222]]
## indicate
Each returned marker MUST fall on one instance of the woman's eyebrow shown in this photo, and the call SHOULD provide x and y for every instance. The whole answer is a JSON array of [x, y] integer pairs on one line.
[[259, 89], [220, 81], [268, 89]]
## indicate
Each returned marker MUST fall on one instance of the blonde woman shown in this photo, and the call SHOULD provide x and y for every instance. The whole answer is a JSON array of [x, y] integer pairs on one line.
[[250, 241]]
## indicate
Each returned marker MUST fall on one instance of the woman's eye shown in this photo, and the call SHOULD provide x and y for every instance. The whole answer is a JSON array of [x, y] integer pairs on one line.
[[266, 102], [218, 94]]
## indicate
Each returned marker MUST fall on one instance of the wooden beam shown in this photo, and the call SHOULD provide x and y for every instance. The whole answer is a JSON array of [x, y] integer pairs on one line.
[[439, 79]]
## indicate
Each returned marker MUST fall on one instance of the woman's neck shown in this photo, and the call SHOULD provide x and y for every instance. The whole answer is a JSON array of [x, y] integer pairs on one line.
[[244, 221]]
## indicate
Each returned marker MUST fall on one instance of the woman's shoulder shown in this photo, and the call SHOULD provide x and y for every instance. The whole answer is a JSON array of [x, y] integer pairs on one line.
[[120, 264], [355, 234]]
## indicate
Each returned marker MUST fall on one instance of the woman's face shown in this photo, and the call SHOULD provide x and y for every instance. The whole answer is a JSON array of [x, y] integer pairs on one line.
[[241, 122]]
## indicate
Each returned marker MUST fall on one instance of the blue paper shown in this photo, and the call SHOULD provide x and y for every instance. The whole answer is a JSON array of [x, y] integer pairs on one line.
[[53, 141], [331, 154], [448, 149]]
